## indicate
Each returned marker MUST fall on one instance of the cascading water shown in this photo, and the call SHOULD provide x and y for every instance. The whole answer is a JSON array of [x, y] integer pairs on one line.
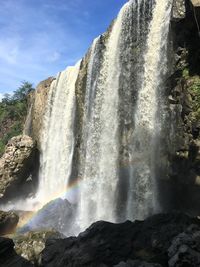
[[101, 178], [58, 136], [142, 198], [119, 119], [100, 170]]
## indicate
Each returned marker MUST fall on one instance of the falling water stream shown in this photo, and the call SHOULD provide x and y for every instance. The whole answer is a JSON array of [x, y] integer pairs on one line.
[[100, 177], [58, 136], [120, 123], [142, 199], [101, 136]]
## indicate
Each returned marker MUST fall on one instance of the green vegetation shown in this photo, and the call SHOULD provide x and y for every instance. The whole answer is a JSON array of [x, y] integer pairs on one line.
[[13, 110], [185, 73], [194, 89], [193, 85]]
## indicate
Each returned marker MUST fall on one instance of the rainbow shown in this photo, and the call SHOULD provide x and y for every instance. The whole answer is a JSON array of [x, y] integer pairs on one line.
[[69, 193]]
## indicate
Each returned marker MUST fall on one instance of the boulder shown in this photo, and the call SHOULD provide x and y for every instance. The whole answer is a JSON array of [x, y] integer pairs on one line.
[[107, 244], [8, 256], [57, 215], [185, 248], [8, 222], [30, 245], [17, 166], [163, 240]]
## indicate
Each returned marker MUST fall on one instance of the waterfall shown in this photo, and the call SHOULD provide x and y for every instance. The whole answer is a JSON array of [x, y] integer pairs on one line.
[[119, 120], [136, 45], [101, 133], [142, 198], [101, 148], [58, 136]]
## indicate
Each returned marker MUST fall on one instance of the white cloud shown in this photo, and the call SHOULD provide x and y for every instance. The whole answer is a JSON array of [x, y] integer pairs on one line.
[[9, 50], [1, 96], [55, 56]]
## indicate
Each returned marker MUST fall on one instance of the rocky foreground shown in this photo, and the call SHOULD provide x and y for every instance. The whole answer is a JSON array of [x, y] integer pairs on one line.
[[159, 241]]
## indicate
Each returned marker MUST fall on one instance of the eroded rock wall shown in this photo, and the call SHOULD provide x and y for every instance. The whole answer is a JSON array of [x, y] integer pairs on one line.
[[183, 92], [18, 168], [37, 107]]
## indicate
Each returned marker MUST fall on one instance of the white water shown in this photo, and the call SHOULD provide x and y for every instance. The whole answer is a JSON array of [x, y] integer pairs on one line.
[[100, 172], [58, 136], [142, 198]]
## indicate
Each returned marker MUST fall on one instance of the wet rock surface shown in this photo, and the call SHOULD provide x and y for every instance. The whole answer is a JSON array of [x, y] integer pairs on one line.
[[180, 170], [30, 245], [57, 215], [8, 222]]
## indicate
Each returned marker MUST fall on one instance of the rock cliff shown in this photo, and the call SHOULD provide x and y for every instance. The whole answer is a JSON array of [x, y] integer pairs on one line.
[[18, 168], [37, 104], [183, 93]]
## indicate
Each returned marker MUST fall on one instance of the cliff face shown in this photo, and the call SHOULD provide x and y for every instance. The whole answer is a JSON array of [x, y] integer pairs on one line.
[[183, 93], [18, 168], [37, 105]]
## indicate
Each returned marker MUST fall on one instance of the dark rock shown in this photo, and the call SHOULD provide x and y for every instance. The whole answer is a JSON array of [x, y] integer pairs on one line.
[[8, 256], [137, 263], [180, 190], [185, 248], [57, 215], [8, 222], [107, 244]]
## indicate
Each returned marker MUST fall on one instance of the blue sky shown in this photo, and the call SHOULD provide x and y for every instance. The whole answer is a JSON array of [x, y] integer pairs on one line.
[[39, 38]]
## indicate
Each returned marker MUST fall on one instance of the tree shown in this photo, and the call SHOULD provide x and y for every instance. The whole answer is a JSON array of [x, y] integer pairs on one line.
[[22, 91], [13, 111], [6, 98]]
